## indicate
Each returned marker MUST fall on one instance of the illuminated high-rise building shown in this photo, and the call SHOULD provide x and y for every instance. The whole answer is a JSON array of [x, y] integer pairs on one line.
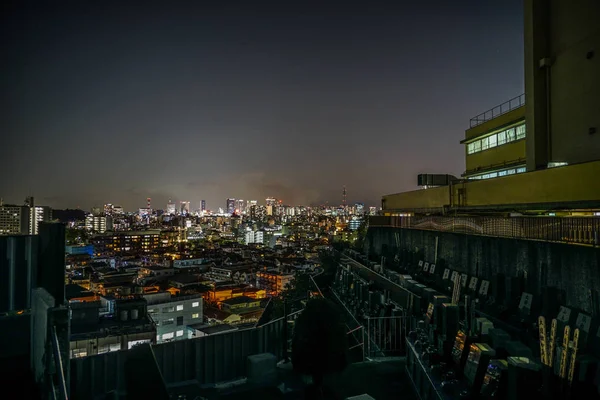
[[249, 205], [37, 214], [96, 223], [185, 208], [203, 205], [171, 208], [230, 206], [239, 206], [14, 220], [359, 208]]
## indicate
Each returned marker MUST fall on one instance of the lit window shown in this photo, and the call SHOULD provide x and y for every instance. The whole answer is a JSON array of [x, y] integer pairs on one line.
[[196, 315], [485, 143], [502, 173], [195, 304], [77, 353], [510, 171], [168, 336], [492, 141], [179, 333], [501, 137], [471, 148], [179, 307], [510, 135], [169, 321], [493, 175], [520, 132], [521, 170], [477, 145]]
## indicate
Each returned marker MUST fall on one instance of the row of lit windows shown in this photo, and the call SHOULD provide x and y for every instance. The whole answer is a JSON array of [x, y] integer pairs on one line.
[[497, 174], [497, 139]]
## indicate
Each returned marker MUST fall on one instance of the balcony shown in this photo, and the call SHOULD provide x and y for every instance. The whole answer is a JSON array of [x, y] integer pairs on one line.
[[497, 111]]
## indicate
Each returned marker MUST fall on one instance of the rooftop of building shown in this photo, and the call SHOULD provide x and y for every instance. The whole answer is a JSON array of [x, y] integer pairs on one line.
[[129, 233], [74, 290], [186, 278], [156, 268], [215, 329], [238, 300]]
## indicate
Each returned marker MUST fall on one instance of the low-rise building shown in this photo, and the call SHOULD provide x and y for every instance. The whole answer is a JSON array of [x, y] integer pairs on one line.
[[273, 281], [239, 304], [155, 273], [174, 314], [93, 334]]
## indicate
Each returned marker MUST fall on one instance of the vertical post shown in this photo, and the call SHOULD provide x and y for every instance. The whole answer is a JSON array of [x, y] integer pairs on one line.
[[368, 337], [285, 332]]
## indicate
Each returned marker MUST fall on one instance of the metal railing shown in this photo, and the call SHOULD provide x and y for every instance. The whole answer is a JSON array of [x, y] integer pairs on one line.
[[386, 336], [577, 230], [62, 393], [503, 108]]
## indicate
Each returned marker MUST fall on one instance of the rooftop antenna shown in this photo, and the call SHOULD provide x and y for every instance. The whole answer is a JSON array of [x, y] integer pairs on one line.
[[344, 197]]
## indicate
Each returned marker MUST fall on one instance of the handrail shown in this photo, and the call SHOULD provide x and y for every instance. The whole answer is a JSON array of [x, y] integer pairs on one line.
[[59, 364], [498, 110]]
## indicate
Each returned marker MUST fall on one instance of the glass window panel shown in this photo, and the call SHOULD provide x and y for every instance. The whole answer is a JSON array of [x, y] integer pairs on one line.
[[520, 132], [502, 173], [521, 170], [471, 148], [510, 171], [501, 138], [492, 141], [493, 175], [477, 145], [510, 135], [485, 143], [179, 307]]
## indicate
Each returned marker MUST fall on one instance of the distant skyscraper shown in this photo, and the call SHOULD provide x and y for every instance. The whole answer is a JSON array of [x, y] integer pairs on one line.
[[14, 220], [239, 205], [37, 214], [185, 207], [230, 206], [96, 223], [249, 205], [372, 210], [359, 208], [203, 205], [171, 208]]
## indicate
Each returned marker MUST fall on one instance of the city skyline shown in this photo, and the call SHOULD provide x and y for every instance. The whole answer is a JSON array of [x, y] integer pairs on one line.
[[201, 203], [171, 102]]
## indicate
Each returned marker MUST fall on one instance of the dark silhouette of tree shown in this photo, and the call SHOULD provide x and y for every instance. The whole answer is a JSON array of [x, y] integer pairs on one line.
[[319, 344]]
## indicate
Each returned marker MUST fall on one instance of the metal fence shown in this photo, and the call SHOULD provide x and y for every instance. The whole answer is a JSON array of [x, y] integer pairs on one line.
[[579, 230], [207, 360], [503, 108], [386, 336]]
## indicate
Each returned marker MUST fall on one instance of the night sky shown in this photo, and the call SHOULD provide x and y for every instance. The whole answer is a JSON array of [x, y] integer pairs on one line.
[[111, 104]]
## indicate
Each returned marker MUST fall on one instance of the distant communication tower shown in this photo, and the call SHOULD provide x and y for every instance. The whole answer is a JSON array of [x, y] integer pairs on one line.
[[344, 197], [148, 200]]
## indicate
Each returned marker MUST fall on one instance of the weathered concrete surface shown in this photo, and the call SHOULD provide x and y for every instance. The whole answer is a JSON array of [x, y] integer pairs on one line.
[[573, 269]]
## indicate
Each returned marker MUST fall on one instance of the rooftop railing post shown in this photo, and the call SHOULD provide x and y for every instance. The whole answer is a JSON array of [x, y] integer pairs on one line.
[[285, 332]]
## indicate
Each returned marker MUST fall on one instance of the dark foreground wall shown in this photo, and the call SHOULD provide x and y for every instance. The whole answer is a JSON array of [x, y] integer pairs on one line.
[[573, 269]]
